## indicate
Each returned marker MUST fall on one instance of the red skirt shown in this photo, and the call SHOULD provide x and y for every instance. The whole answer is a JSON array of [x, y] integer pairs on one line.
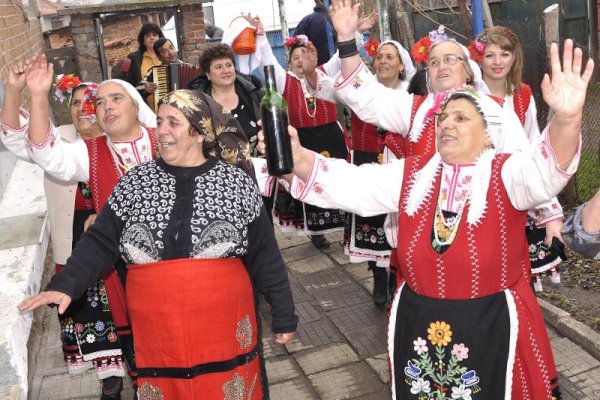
[[194, 329]]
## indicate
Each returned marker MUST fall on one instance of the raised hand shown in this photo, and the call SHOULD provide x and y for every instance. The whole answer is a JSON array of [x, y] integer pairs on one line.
[[366, 23], [344, 17], [40, 76], [309, 59], [255, 22], [565, 90], [16, 77]]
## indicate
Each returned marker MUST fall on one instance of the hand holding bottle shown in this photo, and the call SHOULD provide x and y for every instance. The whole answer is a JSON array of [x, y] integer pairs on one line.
[[303, 157]]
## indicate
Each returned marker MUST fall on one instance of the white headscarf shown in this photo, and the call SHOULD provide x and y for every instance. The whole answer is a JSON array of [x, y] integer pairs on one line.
[[409, 67], [246, 63], [477, 82], [145, 115], [507, 136]]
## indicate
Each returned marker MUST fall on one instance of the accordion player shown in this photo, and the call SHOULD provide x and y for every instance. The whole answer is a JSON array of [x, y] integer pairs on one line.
[[169, 77]]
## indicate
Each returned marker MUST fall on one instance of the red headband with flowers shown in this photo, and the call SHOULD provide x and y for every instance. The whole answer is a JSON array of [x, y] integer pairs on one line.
[[66, 84], [296, 40], [420, 51]]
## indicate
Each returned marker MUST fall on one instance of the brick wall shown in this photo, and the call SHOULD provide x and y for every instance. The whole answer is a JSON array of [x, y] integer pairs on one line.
[[193, 29], [120, 37], [20, 35]]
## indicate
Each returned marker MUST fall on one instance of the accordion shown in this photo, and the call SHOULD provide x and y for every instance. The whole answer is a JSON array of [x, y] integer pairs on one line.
[[171, 77]]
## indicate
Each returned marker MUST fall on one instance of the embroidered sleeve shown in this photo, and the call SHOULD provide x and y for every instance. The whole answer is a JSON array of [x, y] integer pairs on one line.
[[15, 138], [372, 102], [366, 190], [584, 243], [23, 122], [546, 212], [533, 177], [264, 180], [64, 161]]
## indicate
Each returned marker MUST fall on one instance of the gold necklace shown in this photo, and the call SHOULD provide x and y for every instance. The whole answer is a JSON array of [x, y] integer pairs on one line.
[[447, 228]]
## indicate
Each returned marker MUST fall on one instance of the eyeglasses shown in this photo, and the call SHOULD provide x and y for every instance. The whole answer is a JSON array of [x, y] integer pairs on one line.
[[448, 59]]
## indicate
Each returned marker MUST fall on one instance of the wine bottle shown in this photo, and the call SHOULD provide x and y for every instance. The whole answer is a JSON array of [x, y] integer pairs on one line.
[[273, 110]]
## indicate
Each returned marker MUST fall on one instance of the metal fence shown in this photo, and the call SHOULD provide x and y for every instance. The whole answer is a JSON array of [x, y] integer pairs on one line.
[[587, 180]]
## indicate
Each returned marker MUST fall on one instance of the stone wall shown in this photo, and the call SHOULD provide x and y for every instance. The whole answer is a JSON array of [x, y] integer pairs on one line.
[[86, 47], [23, 237]]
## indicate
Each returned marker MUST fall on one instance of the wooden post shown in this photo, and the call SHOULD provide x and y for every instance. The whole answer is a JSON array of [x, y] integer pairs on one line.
[[285, 33], [401, 27], [551, 24], [487, 15], [465, 15]]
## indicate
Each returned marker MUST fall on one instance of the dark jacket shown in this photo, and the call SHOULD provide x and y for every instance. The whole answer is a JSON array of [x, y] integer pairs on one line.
[[134, 74], [314, 26], [246, 86]]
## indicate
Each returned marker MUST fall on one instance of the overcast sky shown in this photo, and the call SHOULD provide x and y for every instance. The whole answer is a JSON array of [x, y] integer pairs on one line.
[[226, 10]]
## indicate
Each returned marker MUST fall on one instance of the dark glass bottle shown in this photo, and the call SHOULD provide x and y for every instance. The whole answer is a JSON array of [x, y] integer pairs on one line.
[[273, 109]]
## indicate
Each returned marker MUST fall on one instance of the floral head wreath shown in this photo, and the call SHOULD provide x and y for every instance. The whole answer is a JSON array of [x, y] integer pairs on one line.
[[420, 51], [477, 47], [296, 41], [66, 84], [371, 47]]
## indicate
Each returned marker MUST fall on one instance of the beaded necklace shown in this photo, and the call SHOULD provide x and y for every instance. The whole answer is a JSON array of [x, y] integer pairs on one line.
[[310, 102], [445, 230]]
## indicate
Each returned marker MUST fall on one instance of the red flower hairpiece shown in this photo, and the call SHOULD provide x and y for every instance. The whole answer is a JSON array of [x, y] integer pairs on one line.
[[371, 47], [296, 40], [64, 86], [420, 51], [476, 49]]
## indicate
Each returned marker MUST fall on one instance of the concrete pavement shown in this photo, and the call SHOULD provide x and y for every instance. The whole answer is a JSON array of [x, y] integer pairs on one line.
[[339, 351]]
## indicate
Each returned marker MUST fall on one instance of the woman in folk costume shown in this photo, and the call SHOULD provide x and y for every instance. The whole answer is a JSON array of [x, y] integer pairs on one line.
[[364, 237], [319, 130], [196, 237], [128, 140], [88, 335], [464, 322], [500, 55]]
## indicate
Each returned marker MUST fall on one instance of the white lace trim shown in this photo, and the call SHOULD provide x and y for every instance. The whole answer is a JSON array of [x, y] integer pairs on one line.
[[512, 344], [421, 185], [419, 119]]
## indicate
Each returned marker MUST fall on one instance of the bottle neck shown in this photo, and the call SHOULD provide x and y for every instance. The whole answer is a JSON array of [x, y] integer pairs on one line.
[[270, 84]]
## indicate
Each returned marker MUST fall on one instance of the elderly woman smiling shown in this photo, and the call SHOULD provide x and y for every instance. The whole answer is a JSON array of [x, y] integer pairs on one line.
[[193, 230], [461, 299]]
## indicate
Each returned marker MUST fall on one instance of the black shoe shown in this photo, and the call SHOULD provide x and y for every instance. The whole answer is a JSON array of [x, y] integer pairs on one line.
[[111, 388], [319, 241], [380, 285]]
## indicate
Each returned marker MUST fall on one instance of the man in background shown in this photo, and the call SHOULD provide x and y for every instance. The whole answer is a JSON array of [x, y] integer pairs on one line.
[[314, 26], [166, 52]]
